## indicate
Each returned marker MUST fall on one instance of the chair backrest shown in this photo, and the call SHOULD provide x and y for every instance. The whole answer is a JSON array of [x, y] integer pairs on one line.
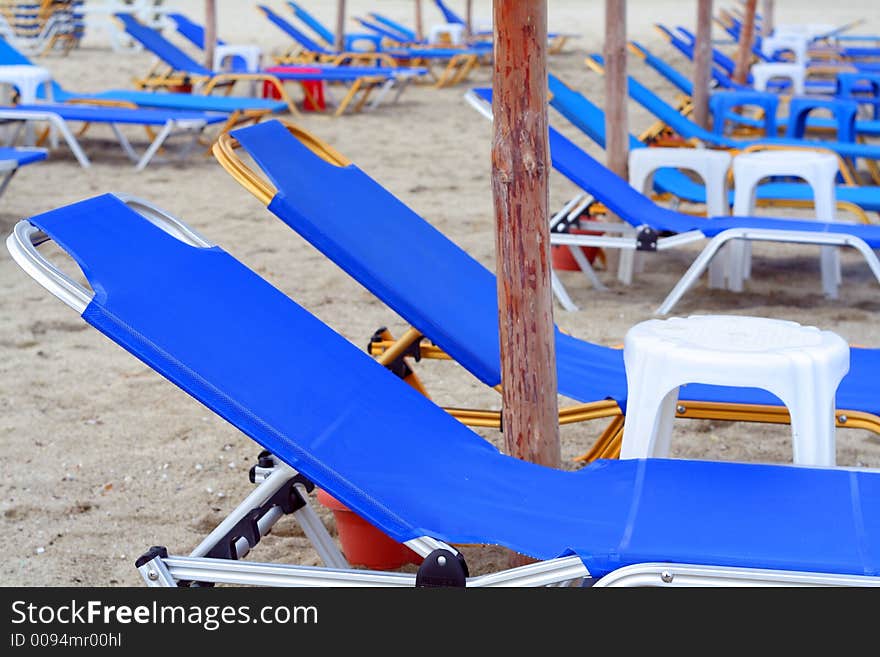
[[665, 69], [407, 263], [664, 111], [191, 30], [381, 30], [161, 47], [295, 34], [449, 15], [313, 23], [590, 120], [394, 25]]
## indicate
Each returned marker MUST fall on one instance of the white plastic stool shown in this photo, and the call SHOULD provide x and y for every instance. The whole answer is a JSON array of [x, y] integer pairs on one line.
[[250, 54], [818, 169], [711, 166], [764, 72], [796, 43], [447, 33], [801, 365]]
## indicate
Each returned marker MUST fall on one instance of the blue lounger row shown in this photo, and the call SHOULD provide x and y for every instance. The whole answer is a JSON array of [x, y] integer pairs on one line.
[[449, 296], [222, 334]]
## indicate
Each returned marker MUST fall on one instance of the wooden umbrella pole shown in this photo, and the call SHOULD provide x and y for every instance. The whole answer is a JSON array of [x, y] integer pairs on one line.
[[616, 130], [520, 168], [210, 32], [469, 17], [746, 39], [767, 18], [703, 62], [420, 27], [340, 26]]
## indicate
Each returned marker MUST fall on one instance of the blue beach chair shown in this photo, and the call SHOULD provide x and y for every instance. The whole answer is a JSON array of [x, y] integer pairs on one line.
[[866, 127], [239, 109], [450, 298], [459, 62], [353, 41], [690, 130], [651, 222], [181, 69], [372, 442], [171, 123], [590, 120]]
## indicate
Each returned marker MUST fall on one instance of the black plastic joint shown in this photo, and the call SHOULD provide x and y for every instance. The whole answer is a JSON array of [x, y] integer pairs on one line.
[[155, 552], [442, 568], [646, 239]]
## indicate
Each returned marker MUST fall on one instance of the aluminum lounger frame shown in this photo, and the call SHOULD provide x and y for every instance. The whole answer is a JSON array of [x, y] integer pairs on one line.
[[391, 352], [193, 127], [260, 511]]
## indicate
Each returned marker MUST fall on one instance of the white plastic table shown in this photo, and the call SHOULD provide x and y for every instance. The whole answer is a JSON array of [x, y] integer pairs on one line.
[[818, 169], [27, 79], [801, 365], [764, 72], [710, 165], [250, 54]]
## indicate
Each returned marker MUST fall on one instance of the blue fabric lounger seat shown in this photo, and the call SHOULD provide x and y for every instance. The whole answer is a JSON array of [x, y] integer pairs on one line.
[[449, 296], [590, 120], [171, 122], [223, 334]]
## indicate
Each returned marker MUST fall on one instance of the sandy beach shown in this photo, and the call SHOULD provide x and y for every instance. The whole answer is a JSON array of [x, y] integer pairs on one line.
[[100, 457]]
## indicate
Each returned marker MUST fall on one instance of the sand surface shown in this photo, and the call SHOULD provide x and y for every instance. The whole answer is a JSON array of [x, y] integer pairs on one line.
[[100, 457]]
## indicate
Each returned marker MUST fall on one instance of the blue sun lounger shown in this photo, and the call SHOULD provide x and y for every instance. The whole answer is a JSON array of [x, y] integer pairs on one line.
[[459, 61], [690, 130], [182, 69], [171, 123], [868, 128], [442, 291], [406, 33], [590, 120], [237, 107], [651, 222], [372, 442], [351, 40]]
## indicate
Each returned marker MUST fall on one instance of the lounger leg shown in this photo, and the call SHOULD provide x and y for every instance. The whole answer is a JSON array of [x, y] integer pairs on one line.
[[124, 143], [561, 293], [586, 267], [6, 180], [692, 275], [383, 91], [278, 477]]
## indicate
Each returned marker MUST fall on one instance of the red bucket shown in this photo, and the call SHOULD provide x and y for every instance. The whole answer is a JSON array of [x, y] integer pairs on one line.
[[363, 544], [561, 258]]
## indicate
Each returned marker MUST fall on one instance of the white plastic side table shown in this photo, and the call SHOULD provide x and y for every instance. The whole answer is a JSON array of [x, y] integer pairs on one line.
[[764, 72], [447, 33], [801, 365], [711, 166], [796, 43], [252, 55], [818, 169], [27, 79]]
